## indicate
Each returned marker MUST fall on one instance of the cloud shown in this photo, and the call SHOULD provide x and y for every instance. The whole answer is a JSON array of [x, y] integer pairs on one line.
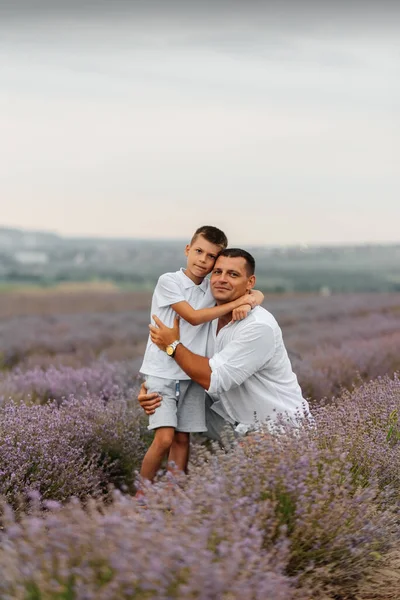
[[147, 107], [332, 35], [290, 14]]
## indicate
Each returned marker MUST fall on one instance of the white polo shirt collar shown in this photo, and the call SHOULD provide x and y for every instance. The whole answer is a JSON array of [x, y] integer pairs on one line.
[[188, 283]]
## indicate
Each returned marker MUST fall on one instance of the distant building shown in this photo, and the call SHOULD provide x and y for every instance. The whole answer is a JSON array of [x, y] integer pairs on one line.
[[325, 291], [79, 258]]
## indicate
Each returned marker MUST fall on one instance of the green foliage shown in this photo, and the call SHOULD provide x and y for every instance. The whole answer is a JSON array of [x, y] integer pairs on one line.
[[393, 435]]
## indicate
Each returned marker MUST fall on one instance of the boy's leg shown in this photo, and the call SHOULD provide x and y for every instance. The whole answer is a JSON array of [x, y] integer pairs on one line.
[[164, 422], [163, 438], [191, 418], [179, 453]]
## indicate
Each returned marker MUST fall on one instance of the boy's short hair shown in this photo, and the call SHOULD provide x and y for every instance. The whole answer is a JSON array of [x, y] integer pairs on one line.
[[212, 235], [239, 253]]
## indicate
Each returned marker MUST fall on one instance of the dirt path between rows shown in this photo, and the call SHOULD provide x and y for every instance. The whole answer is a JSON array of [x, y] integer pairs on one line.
[[384, 582]]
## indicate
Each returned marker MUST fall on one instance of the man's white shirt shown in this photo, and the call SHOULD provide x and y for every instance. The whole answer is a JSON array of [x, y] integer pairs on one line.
[[252, 378], [170, 289]]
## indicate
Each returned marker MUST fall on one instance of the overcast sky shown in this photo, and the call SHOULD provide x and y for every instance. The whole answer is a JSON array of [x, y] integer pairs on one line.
[[279, 123]]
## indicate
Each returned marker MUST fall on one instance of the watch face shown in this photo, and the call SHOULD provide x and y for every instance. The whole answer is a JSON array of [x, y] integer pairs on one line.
[[170, 350]]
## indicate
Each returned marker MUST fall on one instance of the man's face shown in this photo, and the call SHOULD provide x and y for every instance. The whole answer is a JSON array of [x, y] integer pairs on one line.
[[229, 279]]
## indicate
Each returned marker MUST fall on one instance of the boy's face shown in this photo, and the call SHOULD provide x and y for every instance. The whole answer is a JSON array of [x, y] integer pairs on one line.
[[201, 256]]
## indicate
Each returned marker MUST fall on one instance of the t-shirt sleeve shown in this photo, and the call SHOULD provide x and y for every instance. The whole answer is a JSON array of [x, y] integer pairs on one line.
[[168, 291], [241, 358]]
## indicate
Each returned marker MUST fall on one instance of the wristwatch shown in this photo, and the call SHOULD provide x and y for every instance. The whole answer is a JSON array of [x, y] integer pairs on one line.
[[170, 350]]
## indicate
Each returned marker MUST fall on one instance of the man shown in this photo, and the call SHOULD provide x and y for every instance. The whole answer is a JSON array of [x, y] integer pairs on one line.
[[248, 378]]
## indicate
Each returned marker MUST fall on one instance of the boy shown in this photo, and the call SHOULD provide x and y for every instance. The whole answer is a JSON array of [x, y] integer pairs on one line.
[[186, 293]]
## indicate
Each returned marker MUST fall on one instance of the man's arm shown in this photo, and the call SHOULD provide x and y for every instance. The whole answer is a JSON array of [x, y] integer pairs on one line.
[[238, 361], [194, 365], [242, 357]]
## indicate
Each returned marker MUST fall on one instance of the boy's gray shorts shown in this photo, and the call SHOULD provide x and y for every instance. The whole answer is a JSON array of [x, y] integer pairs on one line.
[[185, 412]]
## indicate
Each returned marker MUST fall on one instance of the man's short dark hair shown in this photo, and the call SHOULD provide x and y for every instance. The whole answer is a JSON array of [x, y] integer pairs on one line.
[[239, 253], [212, 235]]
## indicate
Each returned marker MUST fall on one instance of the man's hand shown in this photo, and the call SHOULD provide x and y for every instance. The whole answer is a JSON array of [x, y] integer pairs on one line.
[[163, 336], [241, 313], [149, 402]]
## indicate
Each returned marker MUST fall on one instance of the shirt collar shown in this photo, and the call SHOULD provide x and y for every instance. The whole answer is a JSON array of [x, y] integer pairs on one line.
[[188, 283]]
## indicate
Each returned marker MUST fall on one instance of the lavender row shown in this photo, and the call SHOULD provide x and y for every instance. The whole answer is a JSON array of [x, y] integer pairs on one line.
[[322, 372], [326, 370], [307, 323], [102, 379], [303, 336], [75, 449], [81, 336], [304, 514]]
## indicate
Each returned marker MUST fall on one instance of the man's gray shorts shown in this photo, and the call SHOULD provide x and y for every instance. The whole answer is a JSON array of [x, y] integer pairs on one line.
[[185, 412], [217, 427]]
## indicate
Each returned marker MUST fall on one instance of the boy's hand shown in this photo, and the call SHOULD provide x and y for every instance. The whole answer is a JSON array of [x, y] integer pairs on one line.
[[248, 299], [241, 313], [257, 296], [163, 336], [149, 402]]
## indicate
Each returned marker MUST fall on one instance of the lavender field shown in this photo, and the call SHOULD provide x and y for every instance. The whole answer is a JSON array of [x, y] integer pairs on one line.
[[309, 514]]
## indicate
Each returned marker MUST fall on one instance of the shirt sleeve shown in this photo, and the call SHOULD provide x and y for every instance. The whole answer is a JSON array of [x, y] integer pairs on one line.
[[168, 291], [241, 358]]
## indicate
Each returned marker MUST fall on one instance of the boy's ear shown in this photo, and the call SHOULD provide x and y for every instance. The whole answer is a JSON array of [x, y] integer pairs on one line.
[[187, 248], [251, 282]]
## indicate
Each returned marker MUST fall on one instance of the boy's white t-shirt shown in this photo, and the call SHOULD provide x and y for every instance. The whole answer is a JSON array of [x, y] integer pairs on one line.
[[170, 289]]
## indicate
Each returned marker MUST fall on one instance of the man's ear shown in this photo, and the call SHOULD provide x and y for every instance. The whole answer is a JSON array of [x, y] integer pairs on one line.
[[187, 248], [251, 282]]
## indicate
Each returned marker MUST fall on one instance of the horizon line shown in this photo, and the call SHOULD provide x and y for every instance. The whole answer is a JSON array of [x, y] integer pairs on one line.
[[110, 238]]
